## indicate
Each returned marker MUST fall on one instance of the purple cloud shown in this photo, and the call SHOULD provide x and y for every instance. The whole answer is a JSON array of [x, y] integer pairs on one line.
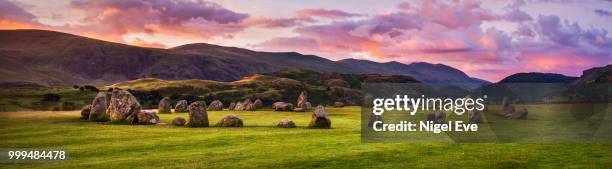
[[603, 13]]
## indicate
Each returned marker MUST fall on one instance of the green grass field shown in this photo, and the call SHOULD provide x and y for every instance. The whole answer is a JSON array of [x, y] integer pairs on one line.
[[260, 145]]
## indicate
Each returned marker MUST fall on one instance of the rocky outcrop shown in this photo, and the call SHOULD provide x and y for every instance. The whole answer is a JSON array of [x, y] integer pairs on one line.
[[98, 108], [181, 106], [198, 117], [215, 105], [286, 123], [85, 112], [319, 118], [230, 121], [164, 106], [123, 106]]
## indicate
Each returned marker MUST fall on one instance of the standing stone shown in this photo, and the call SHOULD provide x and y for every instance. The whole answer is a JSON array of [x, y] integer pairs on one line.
[[198, 117], [258, 104], [519, 114], [431, 117], [85, 112], [230, 121], [440, 117], [239, 106], [232, 106], [98, 108], [146, 117], [123, 107], [506, 108], [179, 121], [374, 118], [286, 123], [248, 105], [164, 106], [215, 105], [181, 106], [338, 104], [302, 99], [319, 118], [275, 105], [282, 106], [307, 106], [474, 116]]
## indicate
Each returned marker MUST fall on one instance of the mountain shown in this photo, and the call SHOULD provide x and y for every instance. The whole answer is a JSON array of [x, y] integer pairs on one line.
[[39, 57], [535, 77], [424, 72]]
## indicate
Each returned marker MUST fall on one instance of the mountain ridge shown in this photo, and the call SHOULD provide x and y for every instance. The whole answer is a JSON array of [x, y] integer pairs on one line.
[[62, 59], [537, 77]]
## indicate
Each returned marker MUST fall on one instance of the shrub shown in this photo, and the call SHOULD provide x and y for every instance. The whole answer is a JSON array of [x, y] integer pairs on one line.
[[91, 88], [51, 97], [68, 106]]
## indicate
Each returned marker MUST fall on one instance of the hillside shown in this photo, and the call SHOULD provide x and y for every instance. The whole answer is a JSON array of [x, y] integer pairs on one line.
[[535, 77], [60, 59], [282, 85]]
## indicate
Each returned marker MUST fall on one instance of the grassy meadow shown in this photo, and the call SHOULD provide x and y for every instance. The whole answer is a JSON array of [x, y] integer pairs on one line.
[[261, 145]]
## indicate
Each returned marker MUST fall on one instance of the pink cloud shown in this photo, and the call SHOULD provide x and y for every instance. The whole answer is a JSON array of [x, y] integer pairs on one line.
[[451, 33], [300, 18], [199, 19], [324, 13], [13, 17]]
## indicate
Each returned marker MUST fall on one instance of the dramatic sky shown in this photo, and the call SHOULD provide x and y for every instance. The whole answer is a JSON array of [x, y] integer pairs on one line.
[[488, 40]]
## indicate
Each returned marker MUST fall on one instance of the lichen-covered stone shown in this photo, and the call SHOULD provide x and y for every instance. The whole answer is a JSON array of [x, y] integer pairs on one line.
[[230, 121], [123, 107], [181, 106], [164, 106], [319, 118], [98, 108], [286, 123], [198, 117]]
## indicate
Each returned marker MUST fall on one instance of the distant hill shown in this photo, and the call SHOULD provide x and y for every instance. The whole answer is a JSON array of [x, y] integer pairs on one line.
[[47, 58], [535, 77], [425, 72]]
